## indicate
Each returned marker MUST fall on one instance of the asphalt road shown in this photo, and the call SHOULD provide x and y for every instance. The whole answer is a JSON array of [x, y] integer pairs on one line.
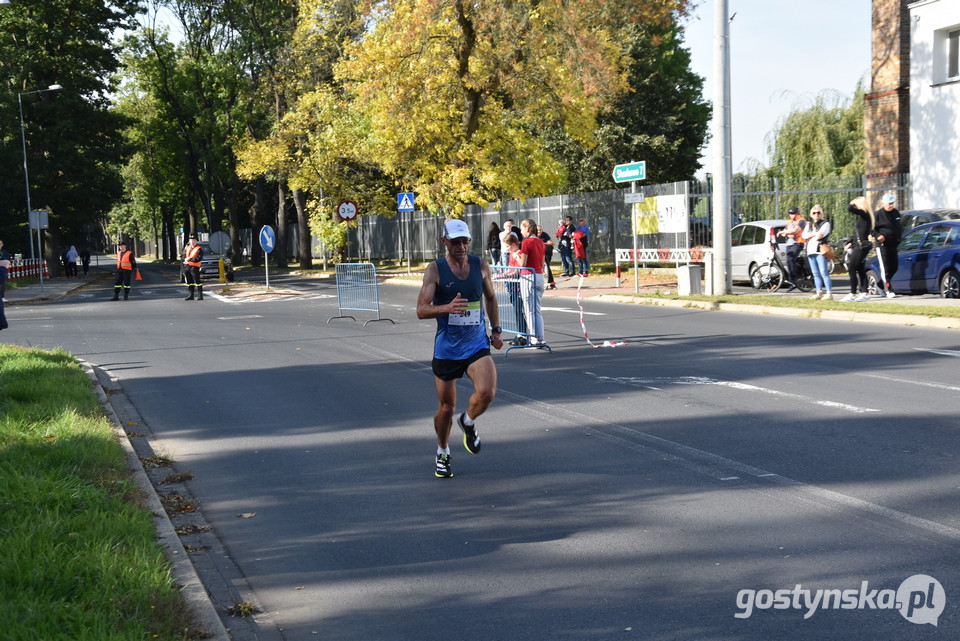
[[654, 490]]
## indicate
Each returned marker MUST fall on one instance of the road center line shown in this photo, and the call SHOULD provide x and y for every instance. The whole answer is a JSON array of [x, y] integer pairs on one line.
[[700, 380]]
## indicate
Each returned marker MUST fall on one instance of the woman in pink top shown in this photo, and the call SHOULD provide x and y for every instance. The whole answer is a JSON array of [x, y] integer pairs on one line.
[[532, 251]]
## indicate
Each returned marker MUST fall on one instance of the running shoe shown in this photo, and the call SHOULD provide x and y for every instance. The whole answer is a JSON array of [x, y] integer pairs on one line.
[[890, 294], [444, 471], [471, 440], [849, 298], [862, 298]]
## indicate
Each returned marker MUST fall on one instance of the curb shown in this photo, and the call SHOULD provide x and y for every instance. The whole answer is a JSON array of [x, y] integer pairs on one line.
[[181, 568]]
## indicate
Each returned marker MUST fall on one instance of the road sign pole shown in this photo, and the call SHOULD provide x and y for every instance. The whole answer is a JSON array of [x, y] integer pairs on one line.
[[636, 266]]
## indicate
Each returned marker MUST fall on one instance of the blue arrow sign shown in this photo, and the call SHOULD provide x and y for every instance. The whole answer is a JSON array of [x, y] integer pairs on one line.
[[267, 239], [405, 201]]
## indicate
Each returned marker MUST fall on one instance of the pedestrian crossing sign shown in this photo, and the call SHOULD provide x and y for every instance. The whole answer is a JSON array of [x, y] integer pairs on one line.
[[405, 201]]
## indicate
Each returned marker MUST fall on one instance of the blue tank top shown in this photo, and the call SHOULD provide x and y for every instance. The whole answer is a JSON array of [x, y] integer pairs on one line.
[[460, 337]]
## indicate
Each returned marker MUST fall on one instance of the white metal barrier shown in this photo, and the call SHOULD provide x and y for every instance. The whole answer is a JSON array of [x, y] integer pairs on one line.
[[515, 292], [357, 291], [662, 255], [686, 257]]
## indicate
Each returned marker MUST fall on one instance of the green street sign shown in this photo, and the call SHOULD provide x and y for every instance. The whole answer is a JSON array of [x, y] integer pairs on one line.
[[630, 172]]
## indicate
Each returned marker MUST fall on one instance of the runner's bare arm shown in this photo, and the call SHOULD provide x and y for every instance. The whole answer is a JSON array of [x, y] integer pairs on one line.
[[425, 306]]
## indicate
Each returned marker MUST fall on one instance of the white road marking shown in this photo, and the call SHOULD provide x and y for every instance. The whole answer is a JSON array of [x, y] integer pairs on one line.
[[570, 311], [700, 380], [949, 388], [941, 352]]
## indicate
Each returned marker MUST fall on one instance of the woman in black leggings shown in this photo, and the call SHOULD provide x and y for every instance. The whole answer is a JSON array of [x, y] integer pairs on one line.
[[857, 250]]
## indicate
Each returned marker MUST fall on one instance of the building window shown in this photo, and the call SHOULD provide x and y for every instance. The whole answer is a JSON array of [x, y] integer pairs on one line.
[[953, 54]]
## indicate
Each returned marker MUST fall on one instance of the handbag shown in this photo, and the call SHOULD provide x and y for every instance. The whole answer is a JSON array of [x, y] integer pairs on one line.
[[827, 251]]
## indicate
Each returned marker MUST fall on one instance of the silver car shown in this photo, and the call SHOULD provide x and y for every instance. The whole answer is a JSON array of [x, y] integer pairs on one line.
[[750, 246]]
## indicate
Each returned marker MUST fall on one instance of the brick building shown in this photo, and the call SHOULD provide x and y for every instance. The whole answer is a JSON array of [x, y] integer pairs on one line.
[[887, 105]]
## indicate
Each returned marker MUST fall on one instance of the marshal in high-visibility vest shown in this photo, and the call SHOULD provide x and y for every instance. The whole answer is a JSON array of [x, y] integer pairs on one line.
[[126, 266], [192, 260]]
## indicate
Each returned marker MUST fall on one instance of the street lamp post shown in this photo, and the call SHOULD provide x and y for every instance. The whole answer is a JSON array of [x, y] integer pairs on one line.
[[26, 173]]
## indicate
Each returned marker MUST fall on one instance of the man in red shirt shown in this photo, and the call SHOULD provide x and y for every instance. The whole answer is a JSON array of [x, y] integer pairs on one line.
[[532, 251]]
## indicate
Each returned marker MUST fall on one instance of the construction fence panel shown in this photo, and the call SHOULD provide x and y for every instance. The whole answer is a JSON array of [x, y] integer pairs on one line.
[[517, 302], [357, 290]]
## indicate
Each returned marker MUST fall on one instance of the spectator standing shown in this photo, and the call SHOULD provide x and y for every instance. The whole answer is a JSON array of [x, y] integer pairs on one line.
[[493, 243], [817, 235], [5, 263], [857, 249], [565, 244], [584, 263], [548, 256], [504, 250], [512, 285], [887, 240], [793, 233], [532, 251], [126, 266]]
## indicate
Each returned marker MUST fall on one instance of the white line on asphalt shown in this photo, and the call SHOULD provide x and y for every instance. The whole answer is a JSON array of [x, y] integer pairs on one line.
[[570, 311], [949, 388], [700, 380], [239, 317], [941, 352]]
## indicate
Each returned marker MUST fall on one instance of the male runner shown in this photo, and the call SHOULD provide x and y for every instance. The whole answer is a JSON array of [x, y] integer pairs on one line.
[[455, 290]]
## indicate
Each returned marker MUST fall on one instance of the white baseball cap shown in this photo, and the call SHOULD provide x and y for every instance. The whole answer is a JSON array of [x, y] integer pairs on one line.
[[889, 198], [456, 228]]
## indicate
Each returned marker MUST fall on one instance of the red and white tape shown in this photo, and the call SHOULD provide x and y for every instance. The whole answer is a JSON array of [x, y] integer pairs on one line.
[[584, 327]]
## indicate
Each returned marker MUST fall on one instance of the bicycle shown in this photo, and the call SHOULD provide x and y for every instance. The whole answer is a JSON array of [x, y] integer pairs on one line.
[[772, 274]]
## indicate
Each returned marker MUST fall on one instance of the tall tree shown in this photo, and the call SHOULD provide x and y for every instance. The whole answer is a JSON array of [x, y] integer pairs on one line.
[[822, 138], [662, 118], [74, 149], [452, 91]]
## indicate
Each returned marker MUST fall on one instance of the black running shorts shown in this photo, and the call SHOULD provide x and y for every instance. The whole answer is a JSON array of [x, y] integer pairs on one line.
[[451, 370]]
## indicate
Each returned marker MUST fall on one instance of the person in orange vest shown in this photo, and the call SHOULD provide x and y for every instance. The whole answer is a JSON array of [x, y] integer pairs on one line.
[[126, 267], [192, 258]]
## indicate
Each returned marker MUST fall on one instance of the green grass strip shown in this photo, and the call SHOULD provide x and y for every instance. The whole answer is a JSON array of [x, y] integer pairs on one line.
[[78, 553]]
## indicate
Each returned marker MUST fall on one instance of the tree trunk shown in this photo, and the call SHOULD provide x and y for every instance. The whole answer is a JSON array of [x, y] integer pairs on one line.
[[281, 248], [256, 215], [303, 227]]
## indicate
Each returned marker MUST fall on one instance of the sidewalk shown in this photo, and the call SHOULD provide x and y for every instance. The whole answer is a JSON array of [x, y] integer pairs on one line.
[[53, 289]]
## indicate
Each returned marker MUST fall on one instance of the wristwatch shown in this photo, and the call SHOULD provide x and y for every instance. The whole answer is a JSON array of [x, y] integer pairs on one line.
[[496, 330]]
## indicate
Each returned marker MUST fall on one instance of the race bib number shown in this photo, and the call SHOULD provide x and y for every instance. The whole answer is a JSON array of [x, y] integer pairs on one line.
[[469, 316]]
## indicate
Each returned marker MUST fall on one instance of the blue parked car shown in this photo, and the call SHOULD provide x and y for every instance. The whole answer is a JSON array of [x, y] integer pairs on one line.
[[929, 258]]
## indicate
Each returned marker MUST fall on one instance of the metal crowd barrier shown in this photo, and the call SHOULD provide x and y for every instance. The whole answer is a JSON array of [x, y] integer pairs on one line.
[[513, 308], [357, 291]]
